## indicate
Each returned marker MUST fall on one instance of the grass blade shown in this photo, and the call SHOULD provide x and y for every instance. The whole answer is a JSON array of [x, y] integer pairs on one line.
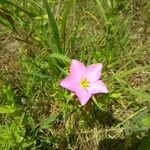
[[16, 6], [48, 121], [60, 57], [101, 11], [67, 8], [6, 109], [141, 94], [53, 26], [4, 23]]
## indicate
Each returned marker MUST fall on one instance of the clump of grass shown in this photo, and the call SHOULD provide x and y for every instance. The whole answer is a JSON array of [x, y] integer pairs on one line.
[[38, 40]]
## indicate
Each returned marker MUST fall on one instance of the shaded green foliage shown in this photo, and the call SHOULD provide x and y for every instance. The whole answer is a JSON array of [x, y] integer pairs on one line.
[[41, 38]]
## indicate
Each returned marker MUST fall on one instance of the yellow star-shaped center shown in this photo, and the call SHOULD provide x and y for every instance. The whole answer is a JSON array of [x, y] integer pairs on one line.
[[84, 83]]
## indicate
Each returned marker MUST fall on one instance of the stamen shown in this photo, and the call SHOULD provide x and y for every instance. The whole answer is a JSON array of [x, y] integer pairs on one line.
[[84, 83]]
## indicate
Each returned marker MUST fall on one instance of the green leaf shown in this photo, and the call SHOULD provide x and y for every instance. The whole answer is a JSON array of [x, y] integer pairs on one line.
[[62, 70], [146, 121], [144, 143], [101, 9], [47, 122], [53, 26], [61, 57], [134, 123], [6, 109], [4, 23], [17, 6], [67, 8], [31, 122], [141, 94]]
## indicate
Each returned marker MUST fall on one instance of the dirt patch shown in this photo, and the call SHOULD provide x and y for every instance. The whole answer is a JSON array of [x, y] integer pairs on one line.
[[9, 55]]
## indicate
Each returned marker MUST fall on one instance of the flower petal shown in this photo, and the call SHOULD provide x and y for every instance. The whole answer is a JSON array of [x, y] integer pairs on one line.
[[69, 83], [97, 87], [94, 72], [77, 69], [83, 95]]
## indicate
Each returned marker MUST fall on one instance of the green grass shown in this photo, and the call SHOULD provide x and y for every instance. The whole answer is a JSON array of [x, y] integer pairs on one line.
[[38, 39]]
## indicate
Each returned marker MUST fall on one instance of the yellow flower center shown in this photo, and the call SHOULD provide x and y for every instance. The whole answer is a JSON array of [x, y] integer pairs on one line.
[[84, 83]]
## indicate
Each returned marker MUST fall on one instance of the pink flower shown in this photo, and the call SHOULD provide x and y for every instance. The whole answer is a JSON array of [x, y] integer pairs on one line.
[[84, 81]]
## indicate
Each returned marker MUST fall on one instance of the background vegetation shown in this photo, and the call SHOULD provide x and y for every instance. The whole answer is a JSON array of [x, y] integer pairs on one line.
[[38, 38]]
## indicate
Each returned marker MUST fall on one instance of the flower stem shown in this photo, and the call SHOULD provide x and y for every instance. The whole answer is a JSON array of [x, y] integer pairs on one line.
[[97, 104]]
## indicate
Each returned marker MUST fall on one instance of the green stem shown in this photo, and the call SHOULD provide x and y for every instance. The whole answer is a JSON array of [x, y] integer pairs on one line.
[[97, 104]]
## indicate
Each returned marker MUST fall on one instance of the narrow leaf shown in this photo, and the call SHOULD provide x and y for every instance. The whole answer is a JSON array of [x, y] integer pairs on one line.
[[53, 25], [4, 23], [141, 94], [146, 121], [67, 8], [47, 122], [60, 57], [17, 6], [6, 109]]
